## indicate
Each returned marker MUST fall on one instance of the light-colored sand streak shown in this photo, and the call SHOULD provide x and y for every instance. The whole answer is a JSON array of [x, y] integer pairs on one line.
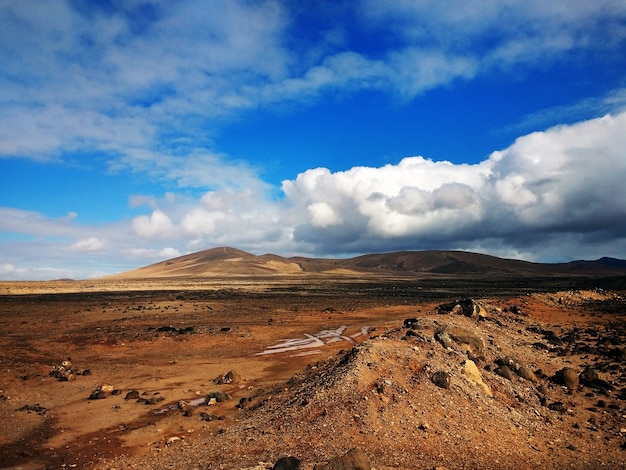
[[314, 341]]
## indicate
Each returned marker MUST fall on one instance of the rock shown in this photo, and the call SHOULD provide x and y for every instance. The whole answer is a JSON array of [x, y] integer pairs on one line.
[[218, 396], [505, 371], [354, 459], [441, 379], [184, 406], [444, 338], [64, 371], [410, 323], [132, 395], [558, 406], [567, 377], [101, 392], [466, 307], [526, 373], [470, 371], [229, 378], [590, 378], [473, 345], [287, 463]]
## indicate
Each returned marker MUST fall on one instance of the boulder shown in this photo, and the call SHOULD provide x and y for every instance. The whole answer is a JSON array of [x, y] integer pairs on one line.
[[228, 378], [521, 369], [287, 463], [505, 371], [472, 344], [472, 373], [566, 377], [354, 459], [441, 379], [444, 338], [467, 307], [590, 378]]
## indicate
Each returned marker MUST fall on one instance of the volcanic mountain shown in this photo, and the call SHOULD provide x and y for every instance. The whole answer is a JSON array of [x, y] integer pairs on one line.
[[227, 262]]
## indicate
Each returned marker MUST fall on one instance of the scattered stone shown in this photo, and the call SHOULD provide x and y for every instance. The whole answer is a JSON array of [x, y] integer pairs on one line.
[[441, 379], [566, 377], [466, 307], [101, 392], [444, 338], [354, 459], [558, 406], [204, 416], [65, 371], [218, 396], [505, 371], [229, 378], [132, 395], [473, 345], [590, 378], [287, 463], [37, 408]]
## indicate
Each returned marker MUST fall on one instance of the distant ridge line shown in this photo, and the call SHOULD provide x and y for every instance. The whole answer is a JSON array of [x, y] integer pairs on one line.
[[226, 261]]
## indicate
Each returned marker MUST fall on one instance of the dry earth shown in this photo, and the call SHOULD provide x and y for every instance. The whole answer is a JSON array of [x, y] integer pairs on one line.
[[346, 371]]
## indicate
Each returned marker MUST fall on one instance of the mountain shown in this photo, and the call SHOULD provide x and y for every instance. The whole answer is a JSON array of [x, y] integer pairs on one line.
[[227, 262]]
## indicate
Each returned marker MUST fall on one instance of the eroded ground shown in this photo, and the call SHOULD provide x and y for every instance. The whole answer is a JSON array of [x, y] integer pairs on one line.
[[168, 343]]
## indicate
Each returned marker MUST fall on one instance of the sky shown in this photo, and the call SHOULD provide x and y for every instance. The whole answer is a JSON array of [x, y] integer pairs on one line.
[[133, 131]]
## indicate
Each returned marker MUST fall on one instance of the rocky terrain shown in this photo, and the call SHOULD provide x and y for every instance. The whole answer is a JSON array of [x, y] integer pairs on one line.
[[326, 373]]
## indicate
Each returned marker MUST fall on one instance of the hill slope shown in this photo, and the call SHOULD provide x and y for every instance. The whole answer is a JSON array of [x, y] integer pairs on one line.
[[226, 261]]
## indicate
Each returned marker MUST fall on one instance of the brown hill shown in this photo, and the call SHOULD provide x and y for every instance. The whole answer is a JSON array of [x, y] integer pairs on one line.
[[226, 262]]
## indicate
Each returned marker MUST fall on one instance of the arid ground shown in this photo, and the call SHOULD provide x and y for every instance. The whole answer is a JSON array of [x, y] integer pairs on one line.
[[319, 366]]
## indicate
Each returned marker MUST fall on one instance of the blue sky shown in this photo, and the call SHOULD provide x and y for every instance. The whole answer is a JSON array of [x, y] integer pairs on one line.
[[136, 131]]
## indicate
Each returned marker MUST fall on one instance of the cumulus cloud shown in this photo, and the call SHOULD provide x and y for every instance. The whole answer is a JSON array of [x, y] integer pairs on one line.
[[561, 181], [89, 244]]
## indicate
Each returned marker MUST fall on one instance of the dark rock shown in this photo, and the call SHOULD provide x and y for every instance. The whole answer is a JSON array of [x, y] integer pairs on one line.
[[473, 345], [209, 417], [410, 323], [590, 378], [505, 371], [98, 395], [567, 377], [441, 379], [37, 408], [527, 374], [354, 459], [466, 307], [132, 395], [287, 463], [444, 338], [219, 396], [558, 406], [229, 378]]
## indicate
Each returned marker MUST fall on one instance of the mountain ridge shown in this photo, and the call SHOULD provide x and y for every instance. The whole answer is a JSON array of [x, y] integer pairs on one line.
[[227, 261]]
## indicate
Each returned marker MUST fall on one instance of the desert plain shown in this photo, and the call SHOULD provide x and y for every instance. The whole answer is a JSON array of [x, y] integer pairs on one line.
[[237, 372]]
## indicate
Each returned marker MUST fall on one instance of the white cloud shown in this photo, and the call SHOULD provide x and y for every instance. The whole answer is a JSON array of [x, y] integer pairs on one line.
[[147, 85], [566, 179], [89, 244], [157, 225]]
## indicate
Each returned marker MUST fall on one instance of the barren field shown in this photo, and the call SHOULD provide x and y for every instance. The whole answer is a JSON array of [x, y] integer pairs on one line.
[[237, 373]]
